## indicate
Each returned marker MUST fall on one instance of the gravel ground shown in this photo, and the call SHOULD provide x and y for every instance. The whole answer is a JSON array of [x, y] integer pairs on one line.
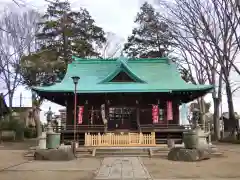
[[14, 166], [226, 166]]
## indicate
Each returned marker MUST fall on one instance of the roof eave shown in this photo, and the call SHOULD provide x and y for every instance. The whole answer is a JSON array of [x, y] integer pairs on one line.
[[41, 89]]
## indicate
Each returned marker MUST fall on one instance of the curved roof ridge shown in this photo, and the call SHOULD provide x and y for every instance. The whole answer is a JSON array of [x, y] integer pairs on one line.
[[122, 66]]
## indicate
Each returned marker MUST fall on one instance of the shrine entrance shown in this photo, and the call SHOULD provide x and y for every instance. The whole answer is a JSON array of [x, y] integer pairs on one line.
[[121, 118]]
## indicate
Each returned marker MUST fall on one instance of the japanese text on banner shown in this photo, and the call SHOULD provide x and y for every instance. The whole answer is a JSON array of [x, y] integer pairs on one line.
[[80, 114], [155, 113], [169, 111]]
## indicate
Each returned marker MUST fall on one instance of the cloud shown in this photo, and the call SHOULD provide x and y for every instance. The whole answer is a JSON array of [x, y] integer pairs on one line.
[[116, 16]]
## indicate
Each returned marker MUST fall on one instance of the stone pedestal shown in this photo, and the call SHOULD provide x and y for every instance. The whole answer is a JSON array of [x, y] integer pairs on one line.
[[49, 128], [195, 139], [202, 138], [42, 141]]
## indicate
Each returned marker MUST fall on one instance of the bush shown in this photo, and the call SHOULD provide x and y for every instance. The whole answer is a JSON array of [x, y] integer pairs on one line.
[[13, 125], [30, 132]]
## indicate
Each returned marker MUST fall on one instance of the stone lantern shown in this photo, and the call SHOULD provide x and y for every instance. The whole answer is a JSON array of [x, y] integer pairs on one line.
[[195, 138]]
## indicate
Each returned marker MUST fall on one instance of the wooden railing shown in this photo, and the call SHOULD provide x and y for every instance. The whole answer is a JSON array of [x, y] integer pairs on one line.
[[127, 139], [172, 126], [142, 127], [80, 128]]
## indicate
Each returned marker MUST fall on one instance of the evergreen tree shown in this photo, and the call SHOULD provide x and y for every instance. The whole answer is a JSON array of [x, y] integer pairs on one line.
[[62, 33], [151, 37], [68, 31]]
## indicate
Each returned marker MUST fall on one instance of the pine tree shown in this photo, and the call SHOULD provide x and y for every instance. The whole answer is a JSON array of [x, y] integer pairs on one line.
[[151, 37], [69, 32], [62, 33]]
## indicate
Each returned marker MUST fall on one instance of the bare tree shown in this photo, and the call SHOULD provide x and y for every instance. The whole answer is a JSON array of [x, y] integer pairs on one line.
[[226, 45], [16, 3], [112, 47], [202, 31], [197, 57], [15, 41], [232, 13]]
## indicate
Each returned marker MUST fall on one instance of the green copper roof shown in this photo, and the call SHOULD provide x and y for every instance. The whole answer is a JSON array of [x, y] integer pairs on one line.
[[150, 75], [122, 66]]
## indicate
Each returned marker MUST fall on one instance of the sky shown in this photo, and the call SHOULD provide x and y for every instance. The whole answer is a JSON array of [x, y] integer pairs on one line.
[[115, 16]]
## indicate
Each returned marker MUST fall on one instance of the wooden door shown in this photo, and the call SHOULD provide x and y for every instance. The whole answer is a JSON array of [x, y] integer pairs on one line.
[[119, 118]]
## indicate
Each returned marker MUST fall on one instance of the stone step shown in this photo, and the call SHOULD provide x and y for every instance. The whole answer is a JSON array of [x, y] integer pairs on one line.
[[121, 152], [83, 155], [121, 155]]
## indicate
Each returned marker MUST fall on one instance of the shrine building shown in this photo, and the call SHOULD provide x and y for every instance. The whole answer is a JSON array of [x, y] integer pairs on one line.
[[123, 102]]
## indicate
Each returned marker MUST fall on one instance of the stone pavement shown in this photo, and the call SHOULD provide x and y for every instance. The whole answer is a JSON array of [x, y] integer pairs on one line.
[[122, 168]]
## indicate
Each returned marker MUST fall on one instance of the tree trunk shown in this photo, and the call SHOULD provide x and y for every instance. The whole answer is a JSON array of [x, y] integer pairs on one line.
[[10, 99], [217, 99], [216, 104], [36, 117], [232, 118]]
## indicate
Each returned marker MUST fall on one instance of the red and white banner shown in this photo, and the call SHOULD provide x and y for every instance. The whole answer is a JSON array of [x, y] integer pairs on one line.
[[155, 113], [80, 114], [169, 111]]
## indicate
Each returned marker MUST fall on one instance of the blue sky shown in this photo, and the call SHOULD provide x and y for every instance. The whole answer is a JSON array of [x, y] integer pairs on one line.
[[116, 16]]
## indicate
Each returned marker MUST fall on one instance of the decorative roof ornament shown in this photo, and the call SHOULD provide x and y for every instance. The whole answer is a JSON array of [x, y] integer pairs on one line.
[[122, 59], [121, 55]]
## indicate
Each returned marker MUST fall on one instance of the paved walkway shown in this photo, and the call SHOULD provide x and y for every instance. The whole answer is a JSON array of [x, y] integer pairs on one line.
[[122, 168]]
